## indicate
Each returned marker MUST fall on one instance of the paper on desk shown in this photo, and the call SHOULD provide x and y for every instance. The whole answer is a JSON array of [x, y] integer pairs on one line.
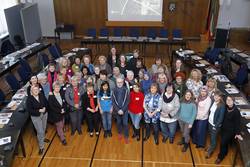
[[5, 140], [195, 57], [4, 121], [235, 50], [204, 62], [221, 78], [240, 101], [211, 70], [248, 130], [232, 90], [5, 115], [243, 55], [199, 65]]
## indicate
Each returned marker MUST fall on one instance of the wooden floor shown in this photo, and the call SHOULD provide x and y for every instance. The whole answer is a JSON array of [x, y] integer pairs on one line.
[[83, 150]]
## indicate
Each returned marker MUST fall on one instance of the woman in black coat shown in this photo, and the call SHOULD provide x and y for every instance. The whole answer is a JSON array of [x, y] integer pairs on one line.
[[90, 106], [57, 105], [230, 128], [36, 105]]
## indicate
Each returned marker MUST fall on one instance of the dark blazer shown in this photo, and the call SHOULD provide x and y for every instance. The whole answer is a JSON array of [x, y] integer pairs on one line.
[[219, 115], [56, 108], [86, 101], [110, 61], [33, 106]]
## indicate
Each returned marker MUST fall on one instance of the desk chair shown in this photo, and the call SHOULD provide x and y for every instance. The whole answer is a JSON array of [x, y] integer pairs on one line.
[[13, 83], [91, 32], [241, 76], [177, 34], [117, 32], [104, 32], [6, 48], [25, 77], [26, 67]]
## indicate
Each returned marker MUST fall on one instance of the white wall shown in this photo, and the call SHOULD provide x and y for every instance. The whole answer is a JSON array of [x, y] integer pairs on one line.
[[47, 16], [234, 14]]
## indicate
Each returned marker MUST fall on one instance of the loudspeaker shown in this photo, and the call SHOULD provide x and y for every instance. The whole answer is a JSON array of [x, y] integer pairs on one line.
[[221, 38]]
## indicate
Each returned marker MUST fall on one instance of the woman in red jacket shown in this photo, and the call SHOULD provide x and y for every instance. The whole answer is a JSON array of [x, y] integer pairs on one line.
[[136, 109]]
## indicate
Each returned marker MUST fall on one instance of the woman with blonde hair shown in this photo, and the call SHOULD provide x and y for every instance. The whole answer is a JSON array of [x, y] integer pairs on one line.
[[194, 82], [211, 86]]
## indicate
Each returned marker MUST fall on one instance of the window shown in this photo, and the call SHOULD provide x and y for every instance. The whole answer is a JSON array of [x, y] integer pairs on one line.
[[3, 25]]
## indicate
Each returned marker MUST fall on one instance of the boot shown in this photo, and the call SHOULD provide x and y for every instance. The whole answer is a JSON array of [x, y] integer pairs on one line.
[[105, 134], [109, 133], [147, 134], [181, 141], [156, 138], [185, 147], [134, 132], [138, 135]]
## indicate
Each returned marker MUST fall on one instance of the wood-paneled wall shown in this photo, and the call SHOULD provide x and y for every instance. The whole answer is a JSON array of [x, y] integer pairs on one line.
[[190, 15]]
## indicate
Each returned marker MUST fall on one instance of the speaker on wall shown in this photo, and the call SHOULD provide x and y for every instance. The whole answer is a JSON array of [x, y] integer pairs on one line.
[[221, 38]]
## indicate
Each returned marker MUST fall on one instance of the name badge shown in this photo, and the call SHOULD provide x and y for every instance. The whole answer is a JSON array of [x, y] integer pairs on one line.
[[77, 67], [40, 89], [137, 98], [131, 87], [95, 96], [78, 94], [64, 88], [69, 70]]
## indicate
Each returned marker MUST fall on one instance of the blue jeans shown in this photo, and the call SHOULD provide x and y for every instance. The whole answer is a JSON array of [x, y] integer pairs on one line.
[[168, 129], [136, 118], [106, 120], [122, 123], [213, 137], [199, 132]]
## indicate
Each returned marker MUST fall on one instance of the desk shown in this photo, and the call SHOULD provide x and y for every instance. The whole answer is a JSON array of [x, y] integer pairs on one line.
[[65, 28], [240, 57], [142, 41], [243, 146], [13, 58]]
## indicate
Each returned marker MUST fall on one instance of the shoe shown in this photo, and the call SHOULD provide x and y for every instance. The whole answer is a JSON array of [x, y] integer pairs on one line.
[[105, 134], [40, 151], [119, 137], [72, 133], [208, 155], [164, 139], [126, 140], [218, 161], [185, 147], [91, 134], [156, 140], [134, 135], [198, 146], [138, 137], [181, 142], [109, 133], [80, 133], [64, 142], [46, 140], [97, 133], [171, 140]]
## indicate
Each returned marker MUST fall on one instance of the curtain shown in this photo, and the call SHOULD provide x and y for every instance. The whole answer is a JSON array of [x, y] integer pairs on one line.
[[3, 25]]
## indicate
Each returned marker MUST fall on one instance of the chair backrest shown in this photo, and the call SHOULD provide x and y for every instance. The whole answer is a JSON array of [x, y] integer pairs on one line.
[[104, 32], [23, 75], [12, 82], [59, 49], [2, 97], [54, 52], [163, 33], [45, 59], [7, 47], [91, 32], [242, 75], [151, 33], [25, 65], [118, 32], [19, 42], [177, 33], [134, 32]]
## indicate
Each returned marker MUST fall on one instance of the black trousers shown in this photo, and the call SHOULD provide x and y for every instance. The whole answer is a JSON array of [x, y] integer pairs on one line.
[[226, 139], [93, 121]]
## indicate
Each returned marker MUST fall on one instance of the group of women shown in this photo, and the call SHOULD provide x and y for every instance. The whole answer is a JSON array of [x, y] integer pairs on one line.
[[159, 98]]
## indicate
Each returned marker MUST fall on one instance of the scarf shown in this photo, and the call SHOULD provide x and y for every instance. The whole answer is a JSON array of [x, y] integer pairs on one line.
[[168, 100], [91, 100]]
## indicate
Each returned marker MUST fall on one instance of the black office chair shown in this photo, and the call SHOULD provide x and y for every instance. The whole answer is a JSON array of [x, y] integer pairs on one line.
[[25, 77], [241, 78], [19, 43], [13, 83], [26, 67], [7, 48]]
